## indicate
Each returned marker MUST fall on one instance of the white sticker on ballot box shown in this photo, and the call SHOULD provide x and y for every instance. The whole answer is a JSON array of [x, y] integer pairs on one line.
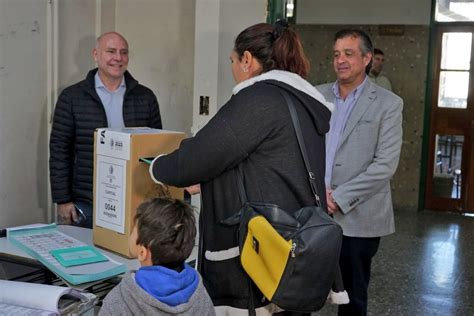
[[110, 193]]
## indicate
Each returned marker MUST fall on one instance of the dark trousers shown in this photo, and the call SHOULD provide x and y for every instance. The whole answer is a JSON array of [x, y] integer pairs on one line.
[[84, 214], [355, 261]]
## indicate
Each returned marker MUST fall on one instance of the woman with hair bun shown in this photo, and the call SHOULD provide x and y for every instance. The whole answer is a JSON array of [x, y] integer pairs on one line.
[[253, 131]]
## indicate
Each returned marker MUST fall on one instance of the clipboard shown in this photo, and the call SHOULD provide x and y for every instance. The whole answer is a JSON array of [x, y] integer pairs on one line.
[[39, 240]]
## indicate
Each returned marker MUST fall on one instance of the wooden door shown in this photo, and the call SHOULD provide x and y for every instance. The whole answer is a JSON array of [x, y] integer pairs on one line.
[[450, 176]]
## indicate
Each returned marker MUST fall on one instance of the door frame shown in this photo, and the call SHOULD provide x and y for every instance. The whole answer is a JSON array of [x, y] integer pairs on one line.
[[444, 121]]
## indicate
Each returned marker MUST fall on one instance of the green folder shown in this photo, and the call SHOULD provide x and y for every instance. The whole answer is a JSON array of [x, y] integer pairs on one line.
[[147, 160], [75, 256]]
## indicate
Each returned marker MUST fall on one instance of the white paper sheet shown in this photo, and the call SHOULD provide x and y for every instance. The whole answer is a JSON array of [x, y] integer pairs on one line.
[[110, 189], [33, 296], [6, 309]]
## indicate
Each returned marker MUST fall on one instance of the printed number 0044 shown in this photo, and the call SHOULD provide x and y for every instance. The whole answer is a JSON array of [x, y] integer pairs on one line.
[[109, 207]]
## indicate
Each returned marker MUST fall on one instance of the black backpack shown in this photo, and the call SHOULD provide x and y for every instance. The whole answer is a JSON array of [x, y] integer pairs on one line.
[[313, 262]]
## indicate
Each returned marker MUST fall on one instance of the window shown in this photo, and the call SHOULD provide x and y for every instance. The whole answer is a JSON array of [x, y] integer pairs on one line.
[[454, 10], [454, 70]]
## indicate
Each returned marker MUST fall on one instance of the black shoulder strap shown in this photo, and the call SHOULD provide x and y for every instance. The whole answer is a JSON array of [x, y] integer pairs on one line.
[[299, 136]]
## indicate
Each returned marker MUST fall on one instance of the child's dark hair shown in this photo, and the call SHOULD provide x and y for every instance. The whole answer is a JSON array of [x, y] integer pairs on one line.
[[275, 47], [167, 227]]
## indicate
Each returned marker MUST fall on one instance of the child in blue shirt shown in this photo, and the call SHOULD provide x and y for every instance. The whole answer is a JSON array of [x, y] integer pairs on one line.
[[162, 239]]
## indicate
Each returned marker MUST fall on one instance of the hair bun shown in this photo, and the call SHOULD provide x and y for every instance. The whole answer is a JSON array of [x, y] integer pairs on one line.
[[279, 26]]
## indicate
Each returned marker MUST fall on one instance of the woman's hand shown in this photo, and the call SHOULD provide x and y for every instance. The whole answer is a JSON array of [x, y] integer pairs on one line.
[[194, 189]]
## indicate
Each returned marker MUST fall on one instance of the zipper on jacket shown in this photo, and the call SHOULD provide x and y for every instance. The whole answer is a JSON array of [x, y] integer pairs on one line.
[[293, 249]]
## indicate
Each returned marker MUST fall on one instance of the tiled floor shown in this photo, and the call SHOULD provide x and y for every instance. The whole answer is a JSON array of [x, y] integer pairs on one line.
[[425, 268]]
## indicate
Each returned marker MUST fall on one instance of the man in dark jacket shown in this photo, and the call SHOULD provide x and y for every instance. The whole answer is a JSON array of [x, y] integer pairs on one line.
[[108, 97]]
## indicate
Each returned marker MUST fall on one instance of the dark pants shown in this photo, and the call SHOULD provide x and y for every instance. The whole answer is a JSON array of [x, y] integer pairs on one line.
[[286, 313], [84, 214], [355, 261]]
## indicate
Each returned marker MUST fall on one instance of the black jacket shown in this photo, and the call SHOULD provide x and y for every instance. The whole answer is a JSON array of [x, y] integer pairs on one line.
[[253, 130], [78, 113]]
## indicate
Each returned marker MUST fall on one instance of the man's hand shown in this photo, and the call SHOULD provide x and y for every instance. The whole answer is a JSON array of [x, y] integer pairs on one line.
[[332, 206], [66, 213], [193, 189]]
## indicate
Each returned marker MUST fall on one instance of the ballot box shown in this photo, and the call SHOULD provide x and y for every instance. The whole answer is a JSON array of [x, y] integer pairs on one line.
[[122, 180]]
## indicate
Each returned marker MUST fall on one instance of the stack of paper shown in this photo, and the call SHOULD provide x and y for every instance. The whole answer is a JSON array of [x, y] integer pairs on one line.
[[21, 298]]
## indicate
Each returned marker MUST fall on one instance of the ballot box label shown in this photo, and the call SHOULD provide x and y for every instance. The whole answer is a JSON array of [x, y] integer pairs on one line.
[[113, 144], [110, 189]]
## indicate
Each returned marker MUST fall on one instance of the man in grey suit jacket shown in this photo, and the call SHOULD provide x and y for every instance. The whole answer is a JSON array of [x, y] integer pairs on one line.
[[362, 153]]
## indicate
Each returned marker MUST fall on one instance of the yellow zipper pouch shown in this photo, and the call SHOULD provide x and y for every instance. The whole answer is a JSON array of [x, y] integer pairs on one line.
[[264, 255]]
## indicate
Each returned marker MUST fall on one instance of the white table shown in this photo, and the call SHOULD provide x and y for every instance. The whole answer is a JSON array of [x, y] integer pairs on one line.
[[10, 251]]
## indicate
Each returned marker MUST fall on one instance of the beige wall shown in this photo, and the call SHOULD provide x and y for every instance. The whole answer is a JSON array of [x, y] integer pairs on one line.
[[218, 24], [234, 17], [406, 65], [406, 12], [161, 40], [23, 108], [76, 38]]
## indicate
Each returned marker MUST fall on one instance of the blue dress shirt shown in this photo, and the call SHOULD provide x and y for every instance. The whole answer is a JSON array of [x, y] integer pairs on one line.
[[112, 101], [342, 111]]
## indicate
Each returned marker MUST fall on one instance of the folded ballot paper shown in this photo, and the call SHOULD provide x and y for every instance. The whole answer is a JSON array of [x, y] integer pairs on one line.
[[21, 298], [72, 260]]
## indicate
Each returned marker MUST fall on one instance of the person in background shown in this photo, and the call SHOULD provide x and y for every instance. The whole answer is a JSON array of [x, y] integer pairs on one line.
[[108, 97], [253, 133], [362, 153], [162, 239], [375, 71]]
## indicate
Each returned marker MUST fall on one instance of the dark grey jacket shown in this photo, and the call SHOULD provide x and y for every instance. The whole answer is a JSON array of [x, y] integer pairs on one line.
[[253, 130], [78, 113]]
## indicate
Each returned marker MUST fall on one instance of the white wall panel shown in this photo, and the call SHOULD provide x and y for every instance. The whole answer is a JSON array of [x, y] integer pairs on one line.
[[23, 108]]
